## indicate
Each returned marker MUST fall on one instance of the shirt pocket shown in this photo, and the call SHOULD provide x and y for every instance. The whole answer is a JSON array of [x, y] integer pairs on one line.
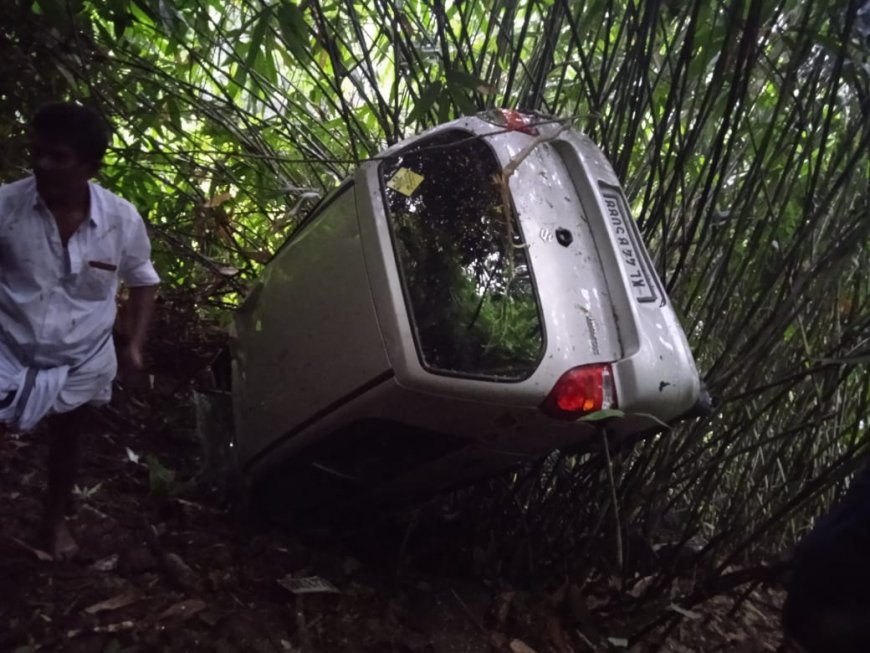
[[96, 281]]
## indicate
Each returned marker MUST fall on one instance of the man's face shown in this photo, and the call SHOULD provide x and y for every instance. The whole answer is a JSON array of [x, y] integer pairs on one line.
[[58, 168]]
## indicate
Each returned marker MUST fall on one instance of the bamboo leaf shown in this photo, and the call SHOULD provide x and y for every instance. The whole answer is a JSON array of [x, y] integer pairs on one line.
[[254, 48], [599, 415], [462, 100], [463, 80], [294, 30], [424, 104]]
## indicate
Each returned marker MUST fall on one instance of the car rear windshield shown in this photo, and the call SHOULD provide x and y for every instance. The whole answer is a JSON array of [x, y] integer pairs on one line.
[[462, 259]]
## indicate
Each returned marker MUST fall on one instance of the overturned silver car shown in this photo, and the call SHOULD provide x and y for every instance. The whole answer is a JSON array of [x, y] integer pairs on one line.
[[456, 307]]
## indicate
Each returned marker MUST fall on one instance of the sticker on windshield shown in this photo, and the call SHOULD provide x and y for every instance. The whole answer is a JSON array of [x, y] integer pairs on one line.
[[405, 181]]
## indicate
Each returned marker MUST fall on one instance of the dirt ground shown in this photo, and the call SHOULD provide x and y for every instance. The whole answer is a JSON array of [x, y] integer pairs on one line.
[[164, 567]]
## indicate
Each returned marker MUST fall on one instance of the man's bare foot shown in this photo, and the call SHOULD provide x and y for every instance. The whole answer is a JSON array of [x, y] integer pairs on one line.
[[59, 541]]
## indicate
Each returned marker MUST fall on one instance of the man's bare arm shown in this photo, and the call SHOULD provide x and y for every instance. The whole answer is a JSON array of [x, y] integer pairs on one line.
[[140, 306]]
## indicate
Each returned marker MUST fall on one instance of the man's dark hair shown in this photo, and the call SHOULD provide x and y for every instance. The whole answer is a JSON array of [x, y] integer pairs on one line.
[[79, 127]]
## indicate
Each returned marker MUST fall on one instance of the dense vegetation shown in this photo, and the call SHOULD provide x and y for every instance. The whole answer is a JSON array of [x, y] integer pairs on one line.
[[741, 129]]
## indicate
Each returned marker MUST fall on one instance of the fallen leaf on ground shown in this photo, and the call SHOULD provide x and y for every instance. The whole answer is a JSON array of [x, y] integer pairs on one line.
[[109, 563], [110, 628], [86, 492], [179, 571], [39, 553], [688, 614], [308, 585], [119, 601], [618, 641], [519, 646], [183, 609]]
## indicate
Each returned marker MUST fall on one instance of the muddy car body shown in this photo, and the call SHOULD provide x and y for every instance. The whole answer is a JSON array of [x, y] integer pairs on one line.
[[454, 308]]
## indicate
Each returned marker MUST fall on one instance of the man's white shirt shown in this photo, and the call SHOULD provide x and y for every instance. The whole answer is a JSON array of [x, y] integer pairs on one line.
[[57, 304]]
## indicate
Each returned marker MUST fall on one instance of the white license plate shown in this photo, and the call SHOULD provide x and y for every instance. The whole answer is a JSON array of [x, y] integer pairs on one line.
[[641, 279]]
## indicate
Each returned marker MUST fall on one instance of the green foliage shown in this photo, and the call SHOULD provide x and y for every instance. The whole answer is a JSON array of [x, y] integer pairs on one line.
[[161, 479], [740, 129]]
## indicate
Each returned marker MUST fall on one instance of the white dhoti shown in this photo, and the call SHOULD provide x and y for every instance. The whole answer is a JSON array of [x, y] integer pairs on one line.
[[29, 393]]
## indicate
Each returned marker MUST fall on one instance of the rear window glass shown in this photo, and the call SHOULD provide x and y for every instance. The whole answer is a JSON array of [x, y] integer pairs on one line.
[[462, 259]]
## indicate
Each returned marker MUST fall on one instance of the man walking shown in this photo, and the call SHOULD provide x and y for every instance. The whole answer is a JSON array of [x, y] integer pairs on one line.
[[64, 244]]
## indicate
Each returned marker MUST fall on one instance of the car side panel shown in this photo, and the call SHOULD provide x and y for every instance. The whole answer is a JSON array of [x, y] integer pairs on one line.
[[310, 332]]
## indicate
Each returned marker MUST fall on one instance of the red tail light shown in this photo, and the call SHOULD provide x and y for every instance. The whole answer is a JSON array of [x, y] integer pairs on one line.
[[580, 391], [512, 119]]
